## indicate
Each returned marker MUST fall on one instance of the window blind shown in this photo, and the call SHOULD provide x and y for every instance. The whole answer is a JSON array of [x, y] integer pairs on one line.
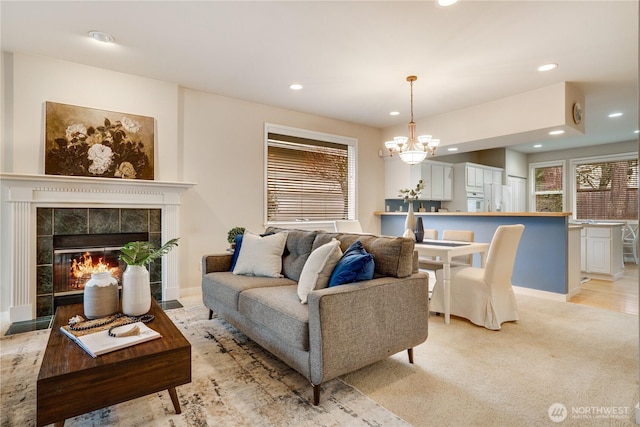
[[549, 188], [607, 190], [309, 180]]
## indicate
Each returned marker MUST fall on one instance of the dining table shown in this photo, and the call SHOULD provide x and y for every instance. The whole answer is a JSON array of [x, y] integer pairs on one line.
[[446, 250]]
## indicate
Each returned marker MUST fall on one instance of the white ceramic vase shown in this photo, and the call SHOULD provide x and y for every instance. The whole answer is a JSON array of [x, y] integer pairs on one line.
[[100, 295], [136, 290]]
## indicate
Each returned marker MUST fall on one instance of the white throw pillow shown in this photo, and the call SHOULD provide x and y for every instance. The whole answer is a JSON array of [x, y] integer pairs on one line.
[[261, 256], [318, 268]]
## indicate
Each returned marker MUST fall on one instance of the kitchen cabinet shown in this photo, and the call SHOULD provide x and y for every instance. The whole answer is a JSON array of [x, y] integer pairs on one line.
[[427, 179], [436, 176], [601, 255], [470, 181], [474, 178], [441, 179]]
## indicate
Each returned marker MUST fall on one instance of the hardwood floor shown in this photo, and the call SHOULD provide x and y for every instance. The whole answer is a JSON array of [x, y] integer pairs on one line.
[[620, 295]]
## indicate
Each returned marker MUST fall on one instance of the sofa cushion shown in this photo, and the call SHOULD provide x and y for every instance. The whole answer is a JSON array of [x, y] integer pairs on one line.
[[393, 255], [318, 268], [355, 265], [226, 287], [279, 310], [297, 250], [261, 256]]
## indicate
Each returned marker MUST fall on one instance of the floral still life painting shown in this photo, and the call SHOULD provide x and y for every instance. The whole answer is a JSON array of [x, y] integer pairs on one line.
[[84, 141]]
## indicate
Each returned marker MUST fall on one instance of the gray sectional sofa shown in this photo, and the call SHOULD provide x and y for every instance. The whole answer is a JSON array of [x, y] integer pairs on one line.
[[342, 328]]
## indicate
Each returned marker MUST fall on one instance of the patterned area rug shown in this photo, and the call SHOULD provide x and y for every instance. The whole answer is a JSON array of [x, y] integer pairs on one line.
[[234, 383]]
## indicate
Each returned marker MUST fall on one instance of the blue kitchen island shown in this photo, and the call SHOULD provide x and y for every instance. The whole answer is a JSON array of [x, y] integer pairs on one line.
[[548, 258]]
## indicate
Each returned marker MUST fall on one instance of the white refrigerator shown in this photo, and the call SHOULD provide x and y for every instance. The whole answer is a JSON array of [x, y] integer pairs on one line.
[[497, 197]]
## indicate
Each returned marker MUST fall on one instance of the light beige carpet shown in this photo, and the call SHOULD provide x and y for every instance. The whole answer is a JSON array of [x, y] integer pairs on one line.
[[583, 358], [234, 383]]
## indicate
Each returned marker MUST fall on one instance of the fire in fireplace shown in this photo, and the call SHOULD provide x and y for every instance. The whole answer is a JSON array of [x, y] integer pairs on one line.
[[76, 257]]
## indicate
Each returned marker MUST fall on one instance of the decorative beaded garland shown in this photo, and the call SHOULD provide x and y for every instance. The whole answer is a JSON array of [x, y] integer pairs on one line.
[[77, 323]]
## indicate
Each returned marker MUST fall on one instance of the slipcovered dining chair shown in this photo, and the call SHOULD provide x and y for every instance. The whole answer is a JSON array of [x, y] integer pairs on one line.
[[484, 295], [425, 263]]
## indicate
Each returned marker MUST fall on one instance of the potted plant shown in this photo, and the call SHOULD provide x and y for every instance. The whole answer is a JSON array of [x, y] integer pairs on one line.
[[136, 288], [231, 235]]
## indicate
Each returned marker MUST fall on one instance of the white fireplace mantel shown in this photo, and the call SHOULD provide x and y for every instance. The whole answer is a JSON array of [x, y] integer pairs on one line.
[[22, 194]]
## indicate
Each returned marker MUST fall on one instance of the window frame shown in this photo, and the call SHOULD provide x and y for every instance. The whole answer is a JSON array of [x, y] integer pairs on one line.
[[532, 183], [598, 159], [351, 143]]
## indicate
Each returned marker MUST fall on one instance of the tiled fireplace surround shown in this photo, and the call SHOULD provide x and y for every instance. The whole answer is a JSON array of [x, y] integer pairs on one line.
[[33, 206], [52, 222]]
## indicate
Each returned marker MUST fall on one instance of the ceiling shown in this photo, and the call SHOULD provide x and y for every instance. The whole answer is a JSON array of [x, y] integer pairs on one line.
[[352, 57]]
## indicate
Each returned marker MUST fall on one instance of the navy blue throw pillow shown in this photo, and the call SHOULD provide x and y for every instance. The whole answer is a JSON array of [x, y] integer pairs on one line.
[[236, 252], [355, 265]]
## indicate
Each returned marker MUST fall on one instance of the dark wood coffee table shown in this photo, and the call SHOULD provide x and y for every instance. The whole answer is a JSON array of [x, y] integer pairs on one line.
[[71, 382]]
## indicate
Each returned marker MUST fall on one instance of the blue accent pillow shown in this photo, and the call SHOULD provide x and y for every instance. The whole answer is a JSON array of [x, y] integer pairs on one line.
[[236, 252], [355, 265]]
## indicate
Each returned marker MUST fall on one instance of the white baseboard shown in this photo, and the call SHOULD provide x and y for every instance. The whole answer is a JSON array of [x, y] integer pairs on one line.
[[20, 313], [541, 294], [192, 291]]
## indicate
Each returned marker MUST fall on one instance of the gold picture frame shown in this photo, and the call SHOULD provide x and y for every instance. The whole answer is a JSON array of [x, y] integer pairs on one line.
[[82, 141]]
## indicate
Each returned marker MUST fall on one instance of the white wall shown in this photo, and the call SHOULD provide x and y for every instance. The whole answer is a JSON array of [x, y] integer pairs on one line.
[[214, 141], [38, 79], [590, 151], [515, 164], [224, 154]]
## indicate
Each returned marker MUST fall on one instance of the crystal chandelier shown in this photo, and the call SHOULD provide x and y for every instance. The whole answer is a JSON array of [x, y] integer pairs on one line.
[[412, 150]]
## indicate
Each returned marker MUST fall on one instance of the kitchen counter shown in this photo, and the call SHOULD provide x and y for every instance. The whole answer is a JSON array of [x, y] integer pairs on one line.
[[495, 214], [546, 260], [597, 224]]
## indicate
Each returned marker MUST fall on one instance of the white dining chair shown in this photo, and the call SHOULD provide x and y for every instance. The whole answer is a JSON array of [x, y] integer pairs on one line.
[[484, 295]]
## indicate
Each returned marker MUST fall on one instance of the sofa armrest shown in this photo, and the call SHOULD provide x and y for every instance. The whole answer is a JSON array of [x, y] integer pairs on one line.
[[216, 262], [354, 325]]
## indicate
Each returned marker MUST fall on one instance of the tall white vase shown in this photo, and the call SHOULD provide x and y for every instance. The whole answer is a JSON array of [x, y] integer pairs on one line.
[[136, 290], [410, 222]]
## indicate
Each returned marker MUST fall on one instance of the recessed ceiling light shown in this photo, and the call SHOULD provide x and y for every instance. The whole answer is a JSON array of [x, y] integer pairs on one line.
[[446, 3], [394, 113], [452, 149], [547, 67], [636, 131], [295, 86], [612, 115], [101, 36], [537, 146], [556, 132]]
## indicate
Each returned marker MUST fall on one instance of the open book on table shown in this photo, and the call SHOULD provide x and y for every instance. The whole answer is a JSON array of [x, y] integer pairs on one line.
[[97, 343]]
